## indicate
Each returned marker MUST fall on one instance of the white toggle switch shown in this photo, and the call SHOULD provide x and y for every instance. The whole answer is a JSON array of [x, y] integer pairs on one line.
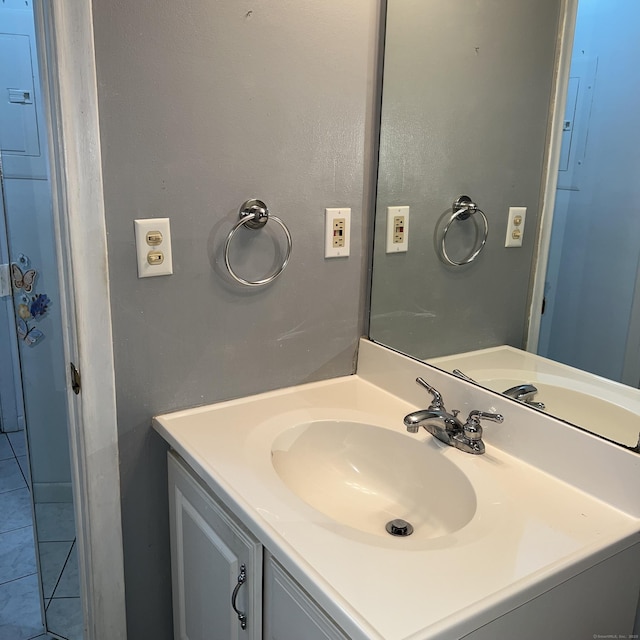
[[153, 247], [397, 229], [515, 226]]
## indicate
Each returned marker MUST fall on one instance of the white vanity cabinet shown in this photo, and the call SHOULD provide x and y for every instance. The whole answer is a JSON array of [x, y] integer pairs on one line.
[[531, 540], [289, 612], [215, 564]]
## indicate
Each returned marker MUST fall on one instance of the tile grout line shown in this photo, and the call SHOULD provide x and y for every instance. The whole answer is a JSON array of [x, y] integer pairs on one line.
[[2, 584], [42, 635], [16, 456], [55, 588]]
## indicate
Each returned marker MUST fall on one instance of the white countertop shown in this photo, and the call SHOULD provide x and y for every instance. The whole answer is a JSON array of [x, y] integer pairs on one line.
[[530, 530]]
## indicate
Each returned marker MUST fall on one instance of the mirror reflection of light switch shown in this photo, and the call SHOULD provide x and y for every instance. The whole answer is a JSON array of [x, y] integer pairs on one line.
[[397, 229], [515, 226]]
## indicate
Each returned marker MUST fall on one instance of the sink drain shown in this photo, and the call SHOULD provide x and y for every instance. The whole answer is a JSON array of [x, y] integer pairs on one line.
[[399, 527]]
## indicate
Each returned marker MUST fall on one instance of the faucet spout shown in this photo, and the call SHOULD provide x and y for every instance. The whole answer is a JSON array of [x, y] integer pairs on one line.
[[521, 392], [524, 393], [416, 419], [441, 424]]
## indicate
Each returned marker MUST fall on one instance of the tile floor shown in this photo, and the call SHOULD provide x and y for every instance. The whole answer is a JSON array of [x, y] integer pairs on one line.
[[20, 613]]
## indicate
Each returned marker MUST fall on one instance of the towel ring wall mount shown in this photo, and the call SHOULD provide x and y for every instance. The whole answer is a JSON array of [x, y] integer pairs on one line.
[[464, 208], [254, 214]]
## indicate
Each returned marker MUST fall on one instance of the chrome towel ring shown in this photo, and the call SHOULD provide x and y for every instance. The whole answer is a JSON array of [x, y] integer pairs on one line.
[[254, 214], [464, 208]]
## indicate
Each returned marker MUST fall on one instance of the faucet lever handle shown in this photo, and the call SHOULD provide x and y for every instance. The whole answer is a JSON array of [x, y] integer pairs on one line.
[[476, 415], [437, 402], [464, 376], [472, 427]]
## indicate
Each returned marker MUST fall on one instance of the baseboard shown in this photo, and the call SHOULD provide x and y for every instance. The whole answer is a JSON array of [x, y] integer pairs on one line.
[[52, 492]]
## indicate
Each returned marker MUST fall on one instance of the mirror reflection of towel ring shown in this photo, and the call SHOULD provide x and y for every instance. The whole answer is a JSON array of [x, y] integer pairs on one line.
[[464, 208], [254, 214]]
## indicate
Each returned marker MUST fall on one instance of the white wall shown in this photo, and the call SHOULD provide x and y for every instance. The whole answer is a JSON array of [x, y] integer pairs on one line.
[[599, 250]]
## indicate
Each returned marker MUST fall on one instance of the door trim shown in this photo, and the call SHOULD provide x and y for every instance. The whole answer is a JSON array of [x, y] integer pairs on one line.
[[64, 31], [567, 26]]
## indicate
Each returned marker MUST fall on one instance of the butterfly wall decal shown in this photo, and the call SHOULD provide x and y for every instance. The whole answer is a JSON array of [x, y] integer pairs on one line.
[[29, 335], [23, 280]]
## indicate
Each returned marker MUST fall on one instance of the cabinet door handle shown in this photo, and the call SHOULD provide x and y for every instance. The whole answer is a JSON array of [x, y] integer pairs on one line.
[[242, 578]]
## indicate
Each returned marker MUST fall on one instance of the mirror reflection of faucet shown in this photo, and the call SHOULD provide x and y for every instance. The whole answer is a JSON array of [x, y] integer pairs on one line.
[[464, 376], [446, 426], [524, 393]]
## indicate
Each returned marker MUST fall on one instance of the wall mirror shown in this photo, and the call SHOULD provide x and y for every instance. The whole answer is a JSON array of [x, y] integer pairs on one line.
[[469, 96]]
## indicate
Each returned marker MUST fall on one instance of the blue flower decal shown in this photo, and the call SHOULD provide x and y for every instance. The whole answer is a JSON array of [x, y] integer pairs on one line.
[[24, 261], [39, 305]]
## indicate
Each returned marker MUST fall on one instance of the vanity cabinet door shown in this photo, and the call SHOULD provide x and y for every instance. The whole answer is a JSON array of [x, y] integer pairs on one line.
[[215, 564], [289, 613]]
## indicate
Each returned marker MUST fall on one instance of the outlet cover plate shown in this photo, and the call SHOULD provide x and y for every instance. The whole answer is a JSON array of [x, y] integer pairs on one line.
[[515, 226], [392, 245], [144, 248], [330, 217]]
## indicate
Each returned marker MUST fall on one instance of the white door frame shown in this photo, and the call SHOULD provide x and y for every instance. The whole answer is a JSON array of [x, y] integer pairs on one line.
[[65, 37], [566, 32], [631, 365]]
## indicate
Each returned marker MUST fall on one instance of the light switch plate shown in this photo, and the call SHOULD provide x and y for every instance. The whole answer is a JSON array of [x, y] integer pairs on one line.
[[153, 247], [515, 226]]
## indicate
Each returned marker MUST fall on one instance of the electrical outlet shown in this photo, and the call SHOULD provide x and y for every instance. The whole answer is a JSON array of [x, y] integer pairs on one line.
[[397, 229], [153, 247], [337, 233], [515, 226]]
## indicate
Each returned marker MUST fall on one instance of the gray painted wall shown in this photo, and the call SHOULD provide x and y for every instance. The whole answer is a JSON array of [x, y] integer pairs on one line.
[[203, 105], [466, 95]]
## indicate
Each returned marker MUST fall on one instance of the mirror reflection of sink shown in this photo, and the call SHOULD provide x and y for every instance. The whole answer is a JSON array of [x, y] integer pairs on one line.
[[363, 476], [589, 410], [603, 407]]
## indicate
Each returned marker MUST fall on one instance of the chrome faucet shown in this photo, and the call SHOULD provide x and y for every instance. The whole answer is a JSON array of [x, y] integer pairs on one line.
[[524, 393], [446, 427]]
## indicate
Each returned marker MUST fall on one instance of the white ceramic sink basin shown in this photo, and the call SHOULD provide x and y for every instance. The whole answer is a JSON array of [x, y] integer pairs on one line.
[[363, 476]]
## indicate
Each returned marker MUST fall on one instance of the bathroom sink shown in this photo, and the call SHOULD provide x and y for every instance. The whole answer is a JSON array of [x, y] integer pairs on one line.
[[315, 472], [364, 476]]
